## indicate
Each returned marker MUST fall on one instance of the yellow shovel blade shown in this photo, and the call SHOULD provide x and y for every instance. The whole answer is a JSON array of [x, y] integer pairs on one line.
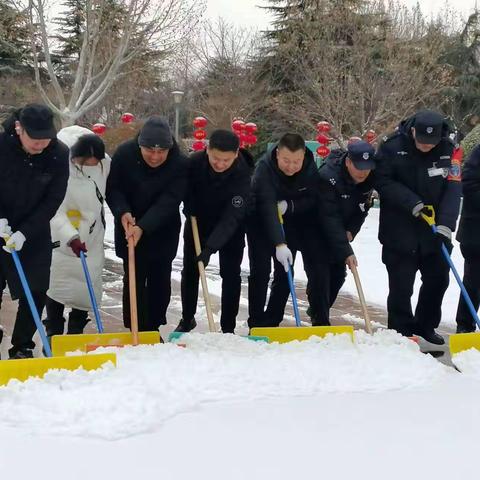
[[38, 367], [61, 344], [288, 334], [464, 341]]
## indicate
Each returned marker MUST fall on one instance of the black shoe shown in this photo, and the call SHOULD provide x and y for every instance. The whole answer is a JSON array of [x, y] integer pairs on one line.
[[464, 329], [76, 325], [432, 337], [186, 325], [21, 354]]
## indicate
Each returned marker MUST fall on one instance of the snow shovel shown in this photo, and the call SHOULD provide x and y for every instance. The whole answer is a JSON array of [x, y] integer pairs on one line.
[[460, 341], [289, 334], [363, 303], [37, 367], [86, 342]]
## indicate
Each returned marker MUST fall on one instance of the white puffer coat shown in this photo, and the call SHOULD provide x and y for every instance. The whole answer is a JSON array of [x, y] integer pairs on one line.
[[67, 280]]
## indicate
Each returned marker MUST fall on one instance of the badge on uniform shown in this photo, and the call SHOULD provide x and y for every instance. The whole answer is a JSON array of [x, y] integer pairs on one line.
[[455, 173], [437, 172]]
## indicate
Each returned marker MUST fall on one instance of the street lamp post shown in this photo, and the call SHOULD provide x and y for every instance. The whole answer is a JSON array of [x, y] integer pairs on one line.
[[177, 100]]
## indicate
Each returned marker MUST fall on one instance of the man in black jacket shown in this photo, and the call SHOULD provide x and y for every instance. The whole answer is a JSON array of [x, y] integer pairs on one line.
[[286, 179], [218, 196], [414, 169], [33, 182], [147, 182], [469, 238], [350, 175]]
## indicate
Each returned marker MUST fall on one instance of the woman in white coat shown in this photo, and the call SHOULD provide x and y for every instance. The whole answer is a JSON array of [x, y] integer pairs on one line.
[[78, 225]]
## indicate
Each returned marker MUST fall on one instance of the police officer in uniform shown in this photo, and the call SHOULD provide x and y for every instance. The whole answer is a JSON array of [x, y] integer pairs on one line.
[[350, 174], [415, 169], [218, 196]]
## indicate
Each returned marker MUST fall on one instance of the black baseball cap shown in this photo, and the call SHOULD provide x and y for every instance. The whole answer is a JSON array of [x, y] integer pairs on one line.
[[428, 127], [362, 154], [155, 133], [37, 120]]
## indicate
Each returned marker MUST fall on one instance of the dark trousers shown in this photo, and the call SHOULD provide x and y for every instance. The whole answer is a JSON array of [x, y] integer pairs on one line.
[[471, 280], [54, 323], [153, 292], [230, 255], [402, 269], [299, 238], [338, 273]]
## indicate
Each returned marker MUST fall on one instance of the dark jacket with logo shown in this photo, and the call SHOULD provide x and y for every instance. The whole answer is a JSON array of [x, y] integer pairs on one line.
[[404, 177], [469, 227], [353, 199], [32, 187], [310, 203], [151, 195], [219, 200]]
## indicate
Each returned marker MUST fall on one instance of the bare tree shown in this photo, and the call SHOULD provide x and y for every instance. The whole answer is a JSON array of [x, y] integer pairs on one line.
[[105, 58]]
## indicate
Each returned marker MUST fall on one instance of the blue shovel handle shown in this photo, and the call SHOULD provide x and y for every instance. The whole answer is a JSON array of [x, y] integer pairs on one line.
[[93, 300], [459, 281], [31, 303]]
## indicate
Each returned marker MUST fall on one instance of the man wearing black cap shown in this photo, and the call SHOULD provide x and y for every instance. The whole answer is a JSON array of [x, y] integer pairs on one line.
[[147, 182], [415, 168], [349, 174], [33, 182], [218, 196]]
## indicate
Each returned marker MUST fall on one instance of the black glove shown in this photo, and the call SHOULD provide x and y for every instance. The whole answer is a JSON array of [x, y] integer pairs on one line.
[[205, 256]]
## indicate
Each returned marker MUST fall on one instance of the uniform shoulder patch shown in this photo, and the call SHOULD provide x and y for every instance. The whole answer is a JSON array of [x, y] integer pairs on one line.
[[455, 171]]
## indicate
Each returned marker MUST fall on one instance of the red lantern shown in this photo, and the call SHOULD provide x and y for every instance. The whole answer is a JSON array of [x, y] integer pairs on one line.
[[370, 136], [200, 134], [200, 122], [99, 128], [323, 139], [250, 127], [198, 145], [253, 139], [323, 151], [238, 125], [323, 127], [128, 117]]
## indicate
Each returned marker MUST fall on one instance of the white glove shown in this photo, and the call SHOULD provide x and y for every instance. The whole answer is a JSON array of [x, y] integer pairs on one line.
[[282, 206], [5, 230], [417, 209], [15, 242], [445, 231], [284, 256]]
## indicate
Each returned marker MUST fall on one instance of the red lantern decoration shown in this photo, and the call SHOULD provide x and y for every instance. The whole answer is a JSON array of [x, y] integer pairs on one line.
[[323, 127], [250, 127], [200, 134], [99, 128], [323, 139], [198, 145], [238, 125], [200, 122], [370, 136], [128, 117], [253, 139], [323, 151]]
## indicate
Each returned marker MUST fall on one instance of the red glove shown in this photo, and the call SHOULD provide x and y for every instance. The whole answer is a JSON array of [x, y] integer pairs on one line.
[[78, 246]]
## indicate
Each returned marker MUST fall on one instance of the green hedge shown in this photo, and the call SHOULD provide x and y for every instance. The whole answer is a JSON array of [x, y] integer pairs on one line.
[[471, 141]]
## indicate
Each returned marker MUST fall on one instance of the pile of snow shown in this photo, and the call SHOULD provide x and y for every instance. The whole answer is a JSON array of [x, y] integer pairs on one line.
[[468, 362], [155, 383]]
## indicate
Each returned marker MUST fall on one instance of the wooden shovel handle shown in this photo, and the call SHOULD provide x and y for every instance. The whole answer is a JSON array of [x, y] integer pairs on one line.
[[363, 303], [203, 278], [132, 287]]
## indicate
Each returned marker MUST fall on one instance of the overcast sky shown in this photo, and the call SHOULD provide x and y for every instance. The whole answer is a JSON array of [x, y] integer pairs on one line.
[[246, 12]]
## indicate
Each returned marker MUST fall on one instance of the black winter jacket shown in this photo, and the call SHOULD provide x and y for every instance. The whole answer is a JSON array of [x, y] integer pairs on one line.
[[404, 177], [151, 195], [353, 199], [219, 200], [32, 187], [469, 227], [310, 202]]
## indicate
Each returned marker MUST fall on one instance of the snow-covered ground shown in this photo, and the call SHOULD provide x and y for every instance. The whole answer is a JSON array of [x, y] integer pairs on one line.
[[226, 407]]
